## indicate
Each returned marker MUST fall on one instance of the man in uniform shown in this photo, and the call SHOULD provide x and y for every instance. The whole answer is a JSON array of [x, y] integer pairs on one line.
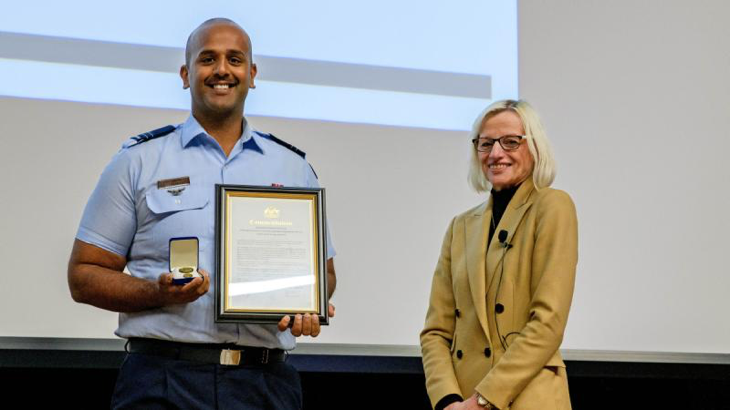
[[161, 186]]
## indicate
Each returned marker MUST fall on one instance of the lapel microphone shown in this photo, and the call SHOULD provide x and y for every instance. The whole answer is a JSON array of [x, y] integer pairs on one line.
[[502, 237]]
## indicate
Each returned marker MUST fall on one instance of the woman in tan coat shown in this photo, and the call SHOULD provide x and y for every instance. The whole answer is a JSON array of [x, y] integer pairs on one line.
[[504, 281]]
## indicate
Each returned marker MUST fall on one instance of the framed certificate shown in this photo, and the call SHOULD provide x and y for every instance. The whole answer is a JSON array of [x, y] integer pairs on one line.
[[271, 249]]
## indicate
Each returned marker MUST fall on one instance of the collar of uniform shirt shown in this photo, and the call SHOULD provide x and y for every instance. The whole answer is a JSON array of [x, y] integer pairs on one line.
[[191, 129]]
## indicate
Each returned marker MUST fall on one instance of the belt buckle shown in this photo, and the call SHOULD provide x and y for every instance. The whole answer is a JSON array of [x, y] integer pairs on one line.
[[230, 357]]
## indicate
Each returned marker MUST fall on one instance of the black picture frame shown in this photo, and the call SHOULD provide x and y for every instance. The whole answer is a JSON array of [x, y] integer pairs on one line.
[[228, 312]]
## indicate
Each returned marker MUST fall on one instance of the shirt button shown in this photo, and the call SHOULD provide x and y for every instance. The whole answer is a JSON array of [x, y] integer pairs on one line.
[[177, 201], [499, 308], [487, 352], [459, 354], [457, 312]]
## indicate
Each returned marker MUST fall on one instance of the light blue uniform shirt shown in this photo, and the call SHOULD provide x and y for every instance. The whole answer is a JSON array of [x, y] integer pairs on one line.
[[127, 214]]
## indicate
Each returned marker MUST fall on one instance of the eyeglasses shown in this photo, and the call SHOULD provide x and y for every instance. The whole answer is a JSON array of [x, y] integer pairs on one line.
[[507, 142]]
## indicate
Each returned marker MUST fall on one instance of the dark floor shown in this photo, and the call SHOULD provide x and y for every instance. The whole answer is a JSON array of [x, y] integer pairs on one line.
[[91, 389]]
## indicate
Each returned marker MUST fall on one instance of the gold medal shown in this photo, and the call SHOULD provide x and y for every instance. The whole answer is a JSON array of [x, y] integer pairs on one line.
[[186, 270]]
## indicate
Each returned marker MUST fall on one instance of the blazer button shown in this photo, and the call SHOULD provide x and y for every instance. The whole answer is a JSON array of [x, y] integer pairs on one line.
[[499, 308], [459, 354], [487, 352], [457, 313]]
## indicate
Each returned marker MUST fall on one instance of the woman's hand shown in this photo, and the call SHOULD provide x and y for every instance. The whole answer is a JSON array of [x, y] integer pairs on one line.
[[454, 406], [469, 404]]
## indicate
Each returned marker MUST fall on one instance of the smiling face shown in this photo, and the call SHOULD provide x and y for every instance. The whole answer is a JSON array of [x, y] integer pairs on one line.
[[505, 169], [218, 71]]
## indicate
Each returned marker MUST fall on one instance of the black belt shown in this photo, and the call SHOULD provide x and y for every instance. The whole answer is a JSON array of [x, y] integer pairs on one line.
[[224, 354]]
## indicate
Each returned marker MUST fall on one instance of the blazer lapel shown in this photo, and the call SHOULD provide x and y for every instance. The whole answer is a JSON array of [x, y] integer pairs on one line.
[[477, 229], [511, 219]]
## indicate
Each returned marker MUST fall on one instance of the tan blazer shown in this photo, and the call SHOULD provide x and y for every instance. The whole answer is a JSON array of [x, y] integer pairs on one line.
[[464, 338]]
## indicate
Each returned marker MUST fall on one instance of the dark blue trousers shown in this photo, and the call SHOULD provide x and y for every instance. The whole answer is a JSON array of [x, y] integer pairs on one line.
[[154, 382]]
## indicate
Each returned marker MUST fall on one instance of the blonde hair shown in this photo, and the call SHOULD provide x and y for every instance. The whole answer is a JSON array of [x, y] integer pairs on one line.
[[543, 171]]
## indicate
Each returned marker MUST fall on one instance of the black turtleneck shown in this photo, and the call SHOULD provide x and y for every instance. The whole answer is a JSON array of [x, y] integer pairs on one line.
[[500, 200]]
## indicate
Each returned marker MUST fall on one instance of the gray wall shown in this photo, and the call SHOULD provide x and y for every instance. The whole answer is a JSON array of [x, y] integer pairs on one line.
[[634, 95]]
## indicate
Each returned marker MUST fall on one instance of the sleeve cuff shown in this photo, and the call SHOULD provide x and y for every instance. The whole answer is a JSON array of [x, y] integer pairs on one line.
[[93, 238], [451, 398]]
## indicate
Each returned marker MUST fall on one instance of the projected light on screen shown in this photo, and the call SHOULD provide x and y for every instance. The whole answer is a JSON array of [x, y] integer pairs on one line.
[[416, 64]]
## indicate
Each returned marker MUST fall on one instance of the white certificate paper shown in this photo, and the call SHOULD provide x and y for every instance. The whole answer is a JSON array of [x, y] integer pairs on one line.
[[272, 262]]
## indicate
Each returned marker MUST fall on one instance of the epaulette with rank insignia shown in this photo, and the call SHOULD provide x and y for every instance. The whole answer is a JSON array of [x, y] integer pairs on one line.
[[282, 143], [149, 135], [299, 152]]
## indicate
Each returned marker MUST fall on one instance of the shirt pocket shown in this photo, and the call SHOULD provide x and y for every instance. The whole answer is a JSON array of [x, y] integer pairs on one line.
[[160, 201]]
